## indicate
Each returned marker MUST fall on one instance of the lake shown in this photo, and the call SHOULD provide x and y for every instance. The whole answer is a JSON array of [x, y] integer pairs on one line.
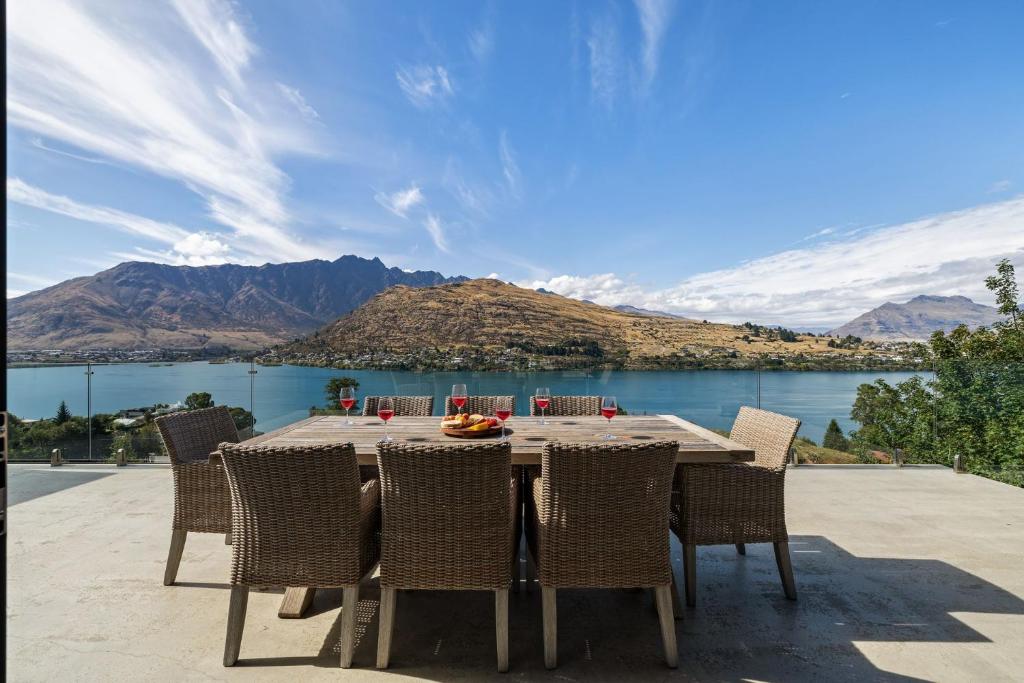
[[284, 394]]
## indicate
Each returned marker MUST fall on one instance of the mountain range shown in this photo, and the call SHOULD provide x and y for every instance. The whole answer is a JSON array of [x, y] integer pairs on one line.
[[138, 305], [918, 318]]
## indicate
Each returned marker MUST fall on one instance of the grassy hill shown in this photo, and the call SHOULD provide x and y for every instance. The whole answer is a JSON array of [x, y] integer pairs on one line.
[[489, 324]]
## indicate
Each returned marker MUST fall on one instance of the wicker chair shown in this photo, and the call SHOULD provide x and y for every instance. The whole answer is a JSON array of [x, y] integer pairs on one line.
[[301, 518], [450, 523], [405, 406], [202, 502], [568, 405], [484, 405], [597, 519], [738, 503]]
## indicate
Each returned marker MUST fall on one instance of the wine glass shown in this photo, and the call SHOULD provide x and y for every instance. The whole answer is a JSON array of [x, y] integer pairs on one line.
[[503, 409], [386, 411], [347, 398], [542, 397], [608, 410], [459, 395]]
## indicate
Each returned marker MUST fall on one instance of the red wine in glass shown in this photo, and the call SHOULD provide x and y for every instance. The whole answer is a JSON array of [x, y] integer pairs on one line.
[[542, 397], [459, 394], [386, 411], [609, 409], [503, 409], [347, 399]]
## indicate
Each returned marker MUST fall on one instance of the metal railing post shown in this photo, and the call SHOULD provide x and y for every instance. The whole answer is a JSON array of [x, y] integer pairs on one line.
[[88, 400]]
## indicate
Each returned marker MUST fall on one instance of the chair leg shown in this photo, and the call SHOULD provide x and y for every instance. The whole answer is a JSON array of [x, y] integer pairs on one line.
[[349, 608], [690, 574], [227, 538], [174, 555], [549, 602], [677, 607], [501, 627], [386, 626], [741, 548], [785, 569], [236, 622], [663, 596], [295, 602]]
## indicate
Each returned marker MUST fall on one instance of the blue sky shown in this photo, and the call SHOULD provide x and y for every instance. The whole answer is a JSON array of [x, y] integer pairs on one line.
[[791, 163]]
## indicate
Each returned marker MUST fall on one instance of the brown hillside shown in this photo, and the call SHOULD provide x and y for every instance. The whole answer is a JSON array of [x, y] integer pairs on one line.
[[485, 314]]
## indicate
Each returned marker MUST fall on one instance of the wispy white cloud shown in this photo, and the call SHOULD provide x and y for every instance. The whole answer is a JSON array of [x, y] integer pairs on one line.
[[481, 41], [655, 16], [1000, 186], [401, 202], [425, 85], [214, 24], [186, 248], [295, 97], [509, 166], [832, 282], [605, 59], [475, 199], [436, 230], [33, 281], [136, 87]]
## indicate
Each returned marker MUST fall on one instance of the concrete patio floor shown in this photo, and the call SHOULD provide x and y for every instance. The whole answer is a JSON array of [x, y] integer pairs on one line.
[[911, 574]]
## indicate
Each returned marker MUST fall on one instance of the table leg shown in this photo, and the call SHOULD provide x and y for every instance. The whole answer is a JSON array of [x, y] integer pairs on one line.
[[295, 603]]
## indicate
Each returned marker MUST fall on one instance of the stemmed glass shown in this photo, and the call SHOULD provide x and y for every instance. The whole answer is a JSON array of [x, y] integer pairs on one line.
[[386, 411], [459, 395], [348, 399], [542, 397], [608, 410], [503, 409]]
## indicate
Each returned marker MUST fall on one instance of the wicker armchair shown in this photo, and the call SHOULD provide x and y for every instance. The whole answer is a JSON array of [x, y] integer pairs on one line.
[[301, 518], [738, 503], [568, 405], [405, 406], [450, 523], [484, 405], [202, 502], [596, 519]]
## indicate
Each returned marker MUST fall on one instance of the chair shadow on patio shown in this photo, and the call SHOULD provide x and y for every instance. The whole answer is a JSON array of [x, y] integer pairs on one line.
[[742, 628]]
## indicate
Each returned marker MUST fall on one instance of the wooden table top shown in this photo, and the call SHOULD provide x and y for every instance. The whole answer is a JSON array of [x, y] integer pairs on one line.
[[527, 434]]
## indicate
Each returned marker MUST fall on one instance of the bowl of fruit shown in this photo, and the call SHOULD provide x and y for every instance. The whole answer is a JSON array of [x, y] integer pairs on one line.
[[463, 426]]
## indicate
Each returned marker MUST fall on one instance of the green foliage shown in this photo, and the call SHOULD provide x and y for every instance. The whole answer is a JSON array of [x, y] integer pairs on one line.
[[974, 406], [334, 386], [242, 418], [122, 440], [834, 438], [199, 399], [63, 413]]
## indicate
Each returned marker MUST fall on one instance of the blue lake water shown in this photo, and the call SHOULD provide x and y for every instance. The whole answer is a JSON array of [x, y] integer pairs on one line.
[[284, 394]]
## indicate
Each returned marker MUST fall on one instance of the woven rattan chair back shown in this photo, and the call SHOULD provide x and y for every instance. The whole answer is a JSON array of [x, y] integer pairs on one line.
[[483, 405], [405, 406], [296, 516], [191, 436], [603, 514], [448, 516], [769, 434], [568, 406]]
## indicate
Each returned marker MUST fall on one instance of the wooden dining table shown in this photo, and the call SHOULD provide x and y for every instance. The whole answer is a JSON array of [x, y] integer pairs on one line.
[[527, 436]]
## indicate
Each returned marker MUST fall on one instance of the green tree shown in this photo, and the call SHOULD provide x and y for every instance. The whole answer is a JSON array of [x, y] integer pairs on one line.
[[122, 439], [334, 386], [63, 413], [199, 399], [974, 406], [834, 438], [242, 418]]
